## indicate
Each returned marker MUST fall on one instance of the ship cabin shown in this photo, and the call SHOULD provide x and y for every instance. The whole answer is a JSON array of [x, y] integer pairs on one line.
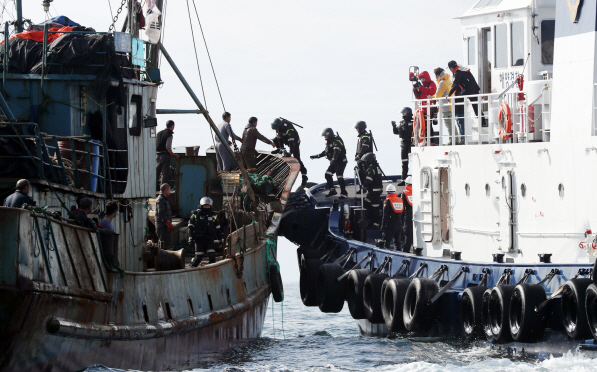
[[82, 123], [502, 40]]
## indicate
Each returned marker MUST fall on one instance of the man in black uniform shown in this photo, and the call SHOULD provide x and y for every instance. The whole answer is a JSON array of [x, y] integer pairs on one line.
[[364, 147], [335, 152], [391, 221], [163, 152], [407, 216], [373, 185], [286, 134], [405, 131], [205, 231]]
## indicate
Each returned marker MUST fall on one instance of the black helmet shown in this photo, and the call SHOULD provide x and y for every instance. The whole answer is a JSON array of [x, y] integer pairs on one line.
[[360, 125], [327, 132], [277, 124], [406, 111], [369, 158]]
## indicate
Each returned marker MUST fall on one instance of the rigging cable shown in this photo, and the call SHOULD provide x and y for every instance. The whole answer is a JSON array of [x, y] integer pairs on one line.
[[209, 56], [163, 37], [196, 57]]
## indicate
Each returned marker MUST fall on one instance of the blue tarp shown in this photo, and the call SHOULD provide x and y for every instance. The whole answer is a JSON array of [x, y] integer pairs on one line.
[[65, 21]]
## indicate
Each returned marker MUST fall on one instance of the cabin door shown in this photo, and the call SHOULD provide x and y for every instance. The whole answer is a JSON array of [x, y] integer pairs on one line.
[[444, 203], [485, 49]]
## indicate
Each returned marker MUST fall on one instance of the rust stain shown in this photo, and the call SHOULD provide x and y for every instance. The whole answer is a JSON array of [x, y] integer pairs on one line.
[[216, 317]]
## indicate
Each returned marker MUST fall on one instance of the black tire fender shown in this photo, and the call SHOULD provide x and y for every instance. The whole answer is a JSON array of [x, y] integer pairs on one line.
[[574, 313], [392, 303], [527, 325], [330, 291], [355, 282], [372, 297], [485, 320], [499, 313], [591, 307], [308, 281], [275, 282], [471, 306], [418, 313]]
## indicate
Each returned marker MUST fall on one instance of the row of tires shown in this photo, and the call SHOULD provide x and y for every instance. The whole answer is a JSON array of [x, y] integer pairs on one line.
[[501, 314]]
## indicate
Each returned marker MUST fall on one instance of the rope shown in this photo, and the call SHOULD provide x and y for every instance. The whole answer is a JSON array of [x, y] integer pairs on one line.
[[196, 57], [209, 56]]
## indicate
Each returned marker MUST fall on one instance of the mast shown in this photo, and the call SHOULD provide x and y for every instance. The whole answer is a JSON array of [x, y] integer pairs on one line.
[[19, 21]]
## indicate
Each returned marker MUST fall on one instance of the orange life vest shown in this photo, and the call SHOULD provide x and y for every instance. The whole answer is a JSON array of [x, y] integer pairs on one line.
[[396, 202], [408, 191]]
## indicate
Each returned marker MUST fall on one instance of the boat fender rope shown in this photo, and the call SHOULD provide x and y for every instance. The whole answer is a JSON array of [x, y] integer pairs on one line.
[[416, 273], [558, 291], [403, 269], [438, 273], [526, 276], [449, 285], [369, 256], [549, 277], [383, 265]]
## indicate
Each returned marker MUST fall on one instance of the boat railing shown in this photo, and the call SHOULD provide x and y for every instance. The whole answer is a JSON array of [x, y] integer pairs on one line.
[[530, 115], [79, 162], [137, 51]]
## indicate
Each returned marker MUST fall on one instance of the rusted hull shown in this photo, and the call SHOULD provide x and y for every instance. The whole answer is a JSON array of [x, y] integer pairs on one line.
[[36, 350]]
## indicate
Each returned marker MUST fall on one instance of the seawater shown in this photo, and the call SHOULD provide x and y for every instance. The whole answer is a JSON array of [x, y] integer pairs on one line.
[[299, 338]]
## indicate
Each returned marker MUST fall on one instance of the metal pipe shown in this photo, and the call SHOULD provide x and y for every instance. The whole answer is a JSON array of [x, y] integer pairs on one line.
[[168, 111], [19, 22]]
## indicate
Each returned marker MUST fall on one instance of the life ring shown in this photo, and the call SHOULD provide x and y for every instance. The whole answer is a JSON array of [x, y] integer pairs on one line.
[[420, 124], [505, 115]]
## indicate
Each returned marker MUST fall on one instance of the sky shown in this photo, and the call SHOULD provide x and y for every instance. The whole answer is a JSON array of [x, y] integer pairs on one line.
[[318, 63]]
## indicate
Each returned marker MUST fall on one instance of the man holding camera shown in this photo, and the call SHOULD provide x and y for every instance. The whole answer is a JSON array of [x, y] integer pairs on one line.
[[405, 131], [423, 89], [286, 134]]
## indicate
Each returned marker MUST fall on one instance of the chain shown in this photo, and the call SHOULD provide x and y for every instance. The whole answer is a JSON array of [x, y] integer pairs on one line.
[[116, 16]]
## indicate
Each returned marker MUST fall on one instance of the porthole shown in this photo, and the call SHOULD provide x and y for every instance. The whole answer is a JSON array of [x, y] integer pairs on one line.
[[467, 189], [487, 190], [523, 190], [561, 190]]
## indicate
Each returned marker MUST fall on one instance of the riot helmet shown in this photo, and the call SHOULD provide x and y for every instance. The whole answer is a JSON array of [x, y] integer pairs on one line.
[[328, 132], [407, 111], [277, 124], [206, 200], [360, 125], [369, 158]]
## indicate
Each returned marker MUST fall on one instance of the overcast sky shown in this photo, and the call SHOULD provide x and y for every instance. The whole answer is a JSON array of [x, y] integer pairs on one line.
[[318, 63]]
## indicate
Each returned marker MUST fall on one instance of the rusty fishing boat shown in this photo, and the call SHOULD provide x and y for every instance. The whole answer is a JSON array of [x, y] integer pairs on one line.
[[84, 124]]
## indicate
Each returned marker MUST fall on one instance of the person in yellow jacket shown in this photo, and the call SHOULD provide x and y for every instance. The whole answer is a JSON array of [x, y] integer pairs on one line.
[[444, 84]]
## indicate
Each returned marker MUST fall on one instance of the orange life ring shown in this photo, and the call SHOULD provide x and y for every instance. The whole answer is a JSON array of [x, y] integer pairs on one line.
[[505, 115], [420, 120]]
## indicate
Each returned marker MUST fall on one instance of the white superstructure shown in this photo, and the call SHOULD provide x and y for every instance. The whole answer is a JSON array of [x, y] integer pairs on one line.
[[533, 193]]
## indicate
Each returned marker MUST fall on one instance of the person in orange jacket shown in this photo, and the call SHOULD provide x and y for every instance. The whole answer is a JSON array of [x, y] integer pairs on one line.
[[407, 215], [391, 220], [163, 216]]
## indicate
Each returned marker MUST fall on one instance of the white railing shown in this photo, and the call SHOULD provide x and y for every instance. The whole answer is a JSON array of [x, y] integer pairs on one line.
[[594, 123], [528, 125]]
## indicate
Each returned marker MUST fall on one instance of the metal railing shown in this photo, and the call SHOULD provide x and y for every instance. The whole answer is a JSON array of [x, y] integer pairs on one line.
[[75, 165], [530, 117]]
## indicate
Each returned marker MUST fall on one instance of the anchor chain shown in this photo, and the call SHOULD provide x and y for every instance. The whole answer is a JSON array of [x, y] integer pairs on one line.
[[116, 16]]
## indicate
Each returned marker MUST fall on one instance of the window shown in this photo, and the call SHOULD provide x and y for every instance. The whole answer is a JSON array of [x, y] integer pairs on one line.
[[135, 116], [547, 36], [517, 43], [501, 46], [493, 2], [480, 4], [471, 50]]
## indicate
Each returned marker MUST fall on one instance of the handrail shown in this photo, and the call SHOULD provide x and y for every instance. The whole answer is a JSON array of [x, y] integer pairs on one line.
[[482, 128]]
